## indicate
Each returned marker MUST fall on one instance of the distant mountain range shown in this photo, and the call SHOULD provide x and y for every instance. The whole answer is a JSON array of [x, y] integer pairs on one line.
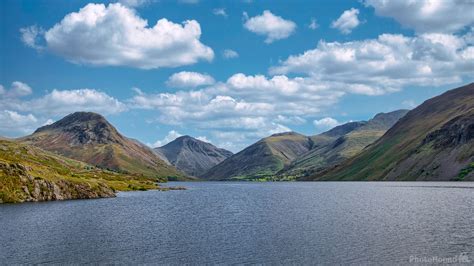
[[192, 156], [434, 142], [287, 156], [84, 156], [340, 143], [90, 138]]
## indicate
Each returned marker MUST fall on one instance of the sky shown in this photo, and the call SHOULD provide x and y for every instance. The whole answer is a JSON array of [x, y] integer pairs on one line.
[[227, 72]]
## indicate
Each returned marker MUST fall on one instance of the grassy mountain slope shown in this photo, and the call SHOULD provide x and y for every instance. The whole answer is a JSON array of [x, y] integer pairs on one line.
[[192, 156], [340, 143], [29, 173], [435, 141], [90, 138], [262, 159]]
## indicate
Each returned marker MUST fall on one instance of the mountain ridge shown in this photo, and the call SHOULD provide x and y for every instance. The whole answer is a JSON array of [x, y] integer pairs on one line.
[[340, 143], [413, 148]]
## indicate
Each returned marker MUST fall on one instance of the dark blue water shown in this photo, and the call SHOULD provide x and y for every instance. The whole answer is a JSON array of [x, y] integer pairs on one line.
[[247, 223]]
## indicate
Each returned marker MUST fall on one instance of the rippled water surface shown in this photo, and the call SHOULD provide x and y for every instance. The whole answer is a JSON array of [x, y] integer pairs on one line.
[[247, 223]]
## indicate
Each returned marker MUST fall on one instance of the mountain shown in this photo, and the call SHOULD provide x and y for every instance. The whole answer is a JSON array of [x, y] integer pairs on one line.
[[192, 156], [90, 138], [339, 144], [29, 173], [434, 142], [262, 159]]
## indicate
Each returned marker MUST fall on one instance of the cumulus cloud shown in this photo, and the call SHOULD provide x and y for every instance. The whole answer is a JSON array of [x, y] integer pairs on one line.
[[427, 16], [219, 12], [115, 35], [14, 124], [62, 102], [17, 89], [186, 79], [172, 135], [269, 25], [347, 21], [385, 64], [229, 54], [20, 89], [326, 123], [251, 106]]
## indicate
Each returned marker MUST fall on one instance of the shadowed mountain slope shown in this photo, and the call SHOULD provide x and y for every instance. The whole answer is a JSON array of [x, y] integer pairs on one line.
[[435, 141]]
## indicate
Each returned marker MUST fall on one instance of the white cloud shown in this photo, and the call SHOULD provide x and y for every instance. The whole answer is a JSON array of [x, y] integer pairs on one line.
[[62, 102], [17, 89], [14, 124], [186, 79], [172, 135], [229, 54], [20, 89], [347, 21], [115, 35], [326, 123], [249, 106], [385, 64], [427, 16], [219, 12], [270, 25], [313, 24]]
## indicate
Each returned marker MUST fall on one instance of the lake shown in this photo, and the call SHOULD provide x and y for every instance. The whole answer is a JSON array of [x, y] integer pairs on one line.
[[248, 222]]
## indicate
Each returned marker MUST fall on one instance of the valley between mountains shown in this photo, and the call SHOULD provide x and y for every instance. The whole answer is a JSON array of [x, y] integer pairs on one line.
[[84, 156]]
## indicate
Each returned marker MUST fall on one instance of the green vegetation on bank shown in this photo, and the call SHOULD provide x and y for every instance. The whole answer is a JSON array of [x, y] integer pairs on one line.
[[28, 173], [464, 172]]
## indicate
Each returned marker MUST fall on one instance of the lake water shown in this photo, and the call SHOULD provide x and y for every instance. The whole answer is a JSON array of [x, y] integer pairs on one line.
[[233, 222]]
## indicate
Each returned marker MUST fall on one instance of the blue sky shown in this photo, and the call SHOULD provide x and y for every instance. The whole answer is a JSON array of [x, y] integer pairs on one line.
[[235, 72]]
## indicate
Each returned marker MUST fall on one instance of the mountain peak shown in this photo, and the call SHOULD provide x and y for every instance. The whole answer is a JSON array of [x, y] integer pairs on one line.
[[384, 121], [192, 155], [75, 118], [186, 138], [89, 137], [83, 128]]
